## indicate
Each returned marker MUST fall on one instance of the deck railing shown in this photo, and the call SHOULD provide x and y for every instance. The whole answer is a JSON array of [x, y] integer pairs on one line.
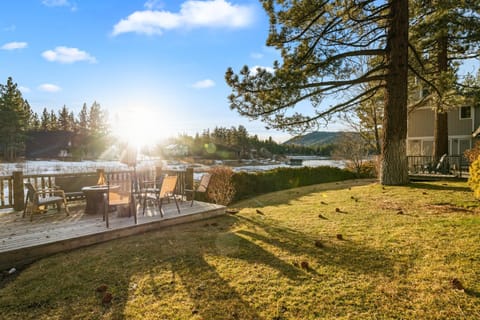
[[457, 165], [12, 189]]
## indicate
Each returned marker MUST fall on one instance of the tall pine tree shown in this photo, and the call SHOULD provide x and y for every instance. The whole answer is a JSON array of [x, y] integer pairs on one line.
[[444, 33], [324, 45], [14, 114]]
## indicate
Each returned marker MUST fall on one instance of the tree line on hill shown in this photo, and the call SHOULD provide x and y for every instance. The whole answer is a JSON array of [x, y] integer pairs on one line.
[[237, 143], [18, 120]]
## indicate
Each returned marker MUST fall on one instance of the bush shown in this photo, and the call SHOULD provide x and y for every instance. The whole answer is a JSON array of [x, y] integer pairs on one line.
[[252, 184], [474, 178], [221, 189], [472, 154], [367, 169]]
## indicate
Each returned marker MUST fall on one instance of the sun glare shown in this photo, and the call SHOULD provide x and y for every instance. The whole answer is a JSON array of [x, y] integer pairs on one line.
[[138, 126]]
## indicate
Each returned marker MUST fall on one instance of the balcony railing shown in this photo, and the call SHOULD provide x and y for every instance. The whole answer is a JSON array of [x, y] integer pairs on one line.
[[456, 165]]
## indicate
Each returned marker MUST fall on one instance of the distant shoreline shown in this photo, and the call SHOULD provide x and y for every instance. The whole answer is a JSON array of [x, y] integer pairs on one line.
[[58, 166]]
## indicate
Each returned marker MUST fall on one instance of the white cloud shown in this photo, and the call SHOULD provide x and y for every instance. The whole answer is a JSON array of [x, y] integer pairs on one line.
[[254, 69], [203, 84], [192, 14], [14, 45], [153, 4], [56, 3], [256, 55], [67, 55], [60, 3], [48, 87], [24, 89]]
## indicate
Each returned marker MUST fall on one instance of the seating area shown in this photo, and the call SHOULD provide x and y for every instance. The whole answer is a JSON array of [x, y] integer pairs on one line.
[[38, 200], [119, 195]]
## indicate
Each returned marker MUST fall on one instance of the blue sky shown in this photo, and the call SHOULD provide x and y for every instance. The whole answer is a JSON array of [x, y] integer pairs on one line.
[[157, 66]]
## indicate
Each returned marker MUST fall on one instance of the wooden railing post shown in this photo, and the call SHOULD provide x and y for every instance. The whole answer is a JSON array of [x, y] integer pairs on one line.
[[18, 191], [189, 182]]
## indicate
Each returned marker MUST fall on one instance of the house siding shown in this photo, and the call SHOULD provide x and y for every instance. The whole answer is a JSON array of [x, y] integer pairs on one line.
[[420, 123], [421, 127], [457, 126]]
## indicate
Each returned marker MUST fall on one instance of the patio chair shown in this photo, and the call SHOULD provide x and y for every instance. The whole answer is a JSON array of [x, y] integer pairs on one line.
[[120, 198], [202, 186], [165, 192], [37, 198]]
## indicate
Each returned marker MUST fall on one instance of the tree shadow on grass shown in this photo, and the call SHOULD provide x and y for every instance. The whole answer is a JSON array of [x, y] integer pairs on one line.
[[185, 260], [472, 293], [445, 187], [171, 271], [288, 195], [344, 254]]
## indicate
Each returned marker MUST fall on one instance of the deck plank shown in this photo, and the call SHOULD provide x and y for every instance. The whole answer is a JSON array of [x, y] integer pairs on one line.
[[23, 241]]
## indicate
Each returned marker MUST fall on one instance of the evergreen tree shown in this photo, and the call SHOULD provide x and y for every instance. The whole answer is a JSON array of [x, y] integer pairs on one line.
[[82, 124], [54, 125], [97, 127], [64, 119], [29, 114], [444, 33], [35, 122], [97, 120], [14, 113], [72, 122], [324, 45], [45, 120]]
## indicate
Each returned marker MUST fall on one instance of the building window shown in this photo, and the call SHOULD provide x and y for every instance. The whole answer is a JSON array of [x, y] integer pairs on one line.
[[465, 113]]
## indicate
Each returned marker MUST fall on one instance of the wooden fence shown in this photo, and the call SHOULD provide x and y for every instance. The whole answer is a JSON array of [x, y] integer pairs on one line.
[[12, 189]]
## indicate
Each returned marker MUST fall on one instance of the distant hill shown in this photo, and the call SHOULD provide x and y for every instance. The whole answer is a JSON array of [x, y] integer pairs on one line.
[[314, 139]]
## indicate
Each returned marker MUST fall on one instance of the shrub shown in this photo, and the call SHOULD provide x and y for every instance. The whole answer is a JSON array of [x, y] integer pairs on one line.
[[366, 169], [221, 189], [252, 184], [472, 154], [474, 178]]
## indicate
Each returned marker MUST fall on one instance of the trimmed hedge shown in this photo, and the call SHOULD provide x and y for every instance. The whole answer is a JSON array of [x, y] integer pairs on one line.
[[251, 184]]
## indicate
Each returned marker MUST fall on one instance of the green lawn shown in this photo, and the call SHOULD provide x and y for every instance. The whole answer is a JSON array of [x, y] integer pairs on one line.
[[347, 250]]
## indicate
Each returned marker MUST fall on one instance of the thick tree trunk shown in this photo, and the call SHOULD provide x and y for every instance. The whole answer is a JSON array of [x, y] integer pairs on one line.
[[394, 166], [440, 134], [378, 148]]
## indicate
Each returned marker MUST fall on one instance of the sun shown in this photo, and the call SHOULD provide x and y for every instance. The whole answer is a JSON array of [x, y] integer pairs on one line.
[[138, 126]]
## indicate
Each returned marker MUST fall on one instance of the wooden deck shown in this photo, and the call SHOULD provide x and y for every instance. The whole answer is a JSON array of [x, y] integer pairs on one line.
[[23, 241]]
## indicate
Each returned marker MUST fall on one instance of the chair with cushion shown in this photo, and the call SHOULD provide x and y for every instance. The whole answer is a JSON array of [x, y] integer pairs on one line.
[[38, 198], [122, 199], [202, 186], [166, 191]]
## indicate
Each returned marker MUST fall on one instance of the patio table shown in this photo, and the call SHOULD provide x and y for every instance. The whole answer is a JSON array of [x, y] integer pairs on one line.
[[94, 197]]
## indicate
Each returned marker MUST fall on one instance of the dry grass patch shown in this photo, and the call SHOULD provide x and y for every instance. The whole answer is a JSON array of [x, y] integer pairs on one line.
[[339, 250]]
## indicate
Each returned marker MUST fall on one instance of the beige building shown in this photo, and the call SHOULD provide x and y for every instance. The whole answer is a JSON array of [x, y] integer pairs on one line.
[[462, 123]]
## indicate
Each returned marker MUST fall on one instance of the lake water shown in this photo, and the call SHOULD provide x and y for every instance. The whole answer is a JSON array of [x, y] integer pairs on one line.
[[48, 167]]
